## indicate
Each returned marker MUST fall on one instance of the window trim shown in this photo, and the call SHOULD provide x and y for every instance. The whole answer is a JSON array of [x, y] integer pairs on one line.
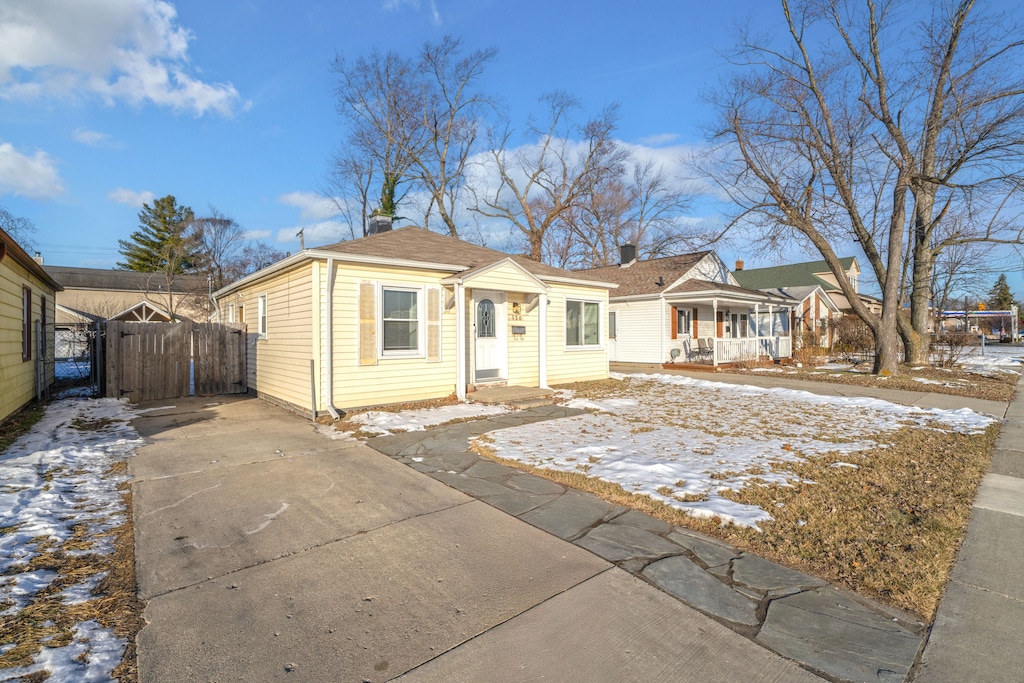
[[583, 346], [262, 322], [231, 312], [421, 322], [26, 323]]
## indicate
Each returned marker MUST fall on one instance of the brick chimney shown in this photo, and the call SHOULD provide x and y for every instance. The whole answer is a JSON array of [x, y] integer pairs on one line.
[[38, 258], [739, 264], [378, 224], [627, 254]]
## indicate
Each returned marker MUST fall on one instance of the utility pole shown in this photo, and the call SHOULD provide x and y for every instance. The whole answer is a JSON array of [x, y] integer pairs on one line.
[[302, 238]]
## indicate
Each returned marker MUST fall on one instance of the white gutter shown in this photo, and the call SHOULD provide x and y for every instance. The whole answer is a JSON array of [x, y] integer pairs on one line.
[[460, 342], [329, 321], [661, 329], [294, 259]]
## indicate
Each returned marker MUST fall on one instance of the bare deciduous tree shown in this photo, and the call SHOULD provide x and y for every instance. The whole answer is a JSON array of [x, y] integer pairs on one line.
[[867, 128], [21, 229], [539, 184], [412, 125], [220, 240]]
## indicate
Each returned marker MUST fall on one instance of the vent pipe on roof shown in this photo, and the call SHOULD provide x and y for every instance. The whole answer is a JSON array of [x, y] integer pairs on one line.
[[739, 264], [627, 254], [378, 224]]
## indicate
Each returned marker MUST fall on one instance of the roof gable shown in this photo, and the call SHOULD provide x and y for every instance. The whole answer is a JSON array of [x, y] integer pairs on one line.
[[650, 277], [790, 275]]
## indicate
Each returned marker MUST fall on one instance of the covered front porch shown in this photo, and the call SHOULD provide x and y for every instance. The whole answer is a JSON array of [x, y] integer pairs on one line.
[[716, 324]]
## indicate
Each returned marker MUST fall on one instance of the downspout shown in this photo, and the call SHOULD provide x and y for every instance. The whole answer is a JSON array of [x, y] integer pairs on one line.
[[329, 322], [460, 342], [542, 335], [662, 328]]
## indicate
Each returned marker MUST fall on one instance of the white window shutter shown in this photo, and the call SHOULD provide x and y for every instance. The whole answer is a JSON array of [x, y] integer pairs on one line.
[[367, 323], [433, 325]]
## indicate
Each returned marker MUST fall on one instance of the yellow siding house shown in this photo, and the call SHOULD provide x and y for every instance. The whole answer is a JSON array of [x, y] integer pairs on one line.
[[26, 313], [409, 315]]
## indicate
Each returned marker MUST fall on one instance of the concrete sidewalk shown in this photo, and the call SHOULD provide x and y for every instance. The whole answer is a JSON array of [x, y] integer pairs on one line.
[[977, 632], [267, 552]]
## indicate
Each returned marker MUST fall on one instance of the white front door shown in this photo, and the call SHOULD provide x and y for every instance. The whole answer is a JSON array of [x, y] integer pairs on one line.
[[490, 356]]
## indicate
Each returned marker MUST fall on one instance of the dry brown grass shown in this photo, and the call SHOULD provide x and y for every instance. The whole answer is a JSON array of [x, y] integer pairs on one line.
[[996, 388], [46, 621], [19, 423]]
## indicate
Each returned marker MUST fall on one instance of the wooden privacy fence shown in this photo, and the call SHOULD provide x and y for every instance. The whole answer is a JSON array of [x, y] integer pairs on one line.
[[154, 361]]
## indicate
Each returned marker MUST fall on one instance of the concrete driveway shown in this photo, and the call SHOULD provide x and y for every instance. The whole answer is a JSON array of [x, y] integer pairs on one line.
[[268, 552]]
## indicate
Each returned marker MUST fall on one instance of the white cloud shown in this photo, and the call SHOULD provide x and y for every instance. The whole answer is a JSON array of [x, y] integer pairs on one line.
[[131, 197], [658, 140], [90, 137], [317, 234], [311, 205], [395, 5], [258, 234], [120, 50], [32, 175]]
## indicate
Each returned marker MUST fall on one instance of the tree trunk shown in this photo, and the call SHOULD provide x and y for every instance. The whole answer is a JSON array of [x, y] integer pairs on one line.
[[923, 263]]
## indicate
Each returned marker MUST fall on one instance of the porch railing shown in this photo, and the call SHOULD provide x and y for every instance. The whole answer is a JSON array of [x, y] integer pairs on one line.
[[752, 348]]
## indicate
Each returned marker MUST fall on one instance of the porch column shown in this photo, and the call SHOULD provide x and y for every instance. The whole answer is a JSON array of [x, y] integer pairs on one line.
[[771, 331], [714, 321], [757, 337], [460, 341], [542, 340]]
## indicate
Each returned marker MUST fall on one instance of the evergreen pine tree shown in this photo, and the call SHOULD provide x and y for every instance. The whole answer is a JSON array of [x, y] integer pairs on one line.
[[160, 244], [1000, 298]]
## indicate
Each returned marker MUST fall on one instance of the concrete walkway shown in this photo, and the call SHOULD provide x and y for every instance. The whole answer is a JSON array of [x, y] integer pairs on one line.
[[267, 552]]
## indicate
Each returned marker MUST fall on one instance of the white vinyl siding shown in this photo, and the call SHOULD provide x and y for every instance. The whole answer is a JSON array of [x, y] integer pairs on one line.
[[278, 365], [378, 379], [577, 364]]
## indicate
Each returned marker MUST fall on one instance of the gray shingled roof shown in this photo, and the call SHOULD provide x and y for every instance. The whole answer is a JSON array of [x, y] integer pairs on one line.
[[789, 275], [642, 277], [123, 280], [416, 244]]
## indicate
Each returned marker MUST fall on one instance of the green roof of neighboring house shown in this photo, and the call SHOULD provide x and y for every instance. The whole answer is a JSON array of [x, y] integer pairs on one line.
[[789, 275]]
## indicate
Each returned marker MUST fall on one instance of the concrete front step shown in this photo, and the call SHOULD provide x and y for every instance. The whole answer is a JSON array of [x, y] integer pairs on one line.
[[517, 397]]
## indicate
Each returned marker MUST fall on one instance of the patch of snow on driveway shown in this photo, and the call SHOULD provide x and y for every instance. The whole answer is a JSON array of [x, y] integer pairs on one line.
[[383, 422], [677, 439]]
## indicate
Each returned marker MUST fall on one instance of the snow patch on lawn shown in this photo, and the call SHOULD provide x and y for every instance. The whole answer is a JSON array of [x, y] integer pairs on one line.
[[677, 438]]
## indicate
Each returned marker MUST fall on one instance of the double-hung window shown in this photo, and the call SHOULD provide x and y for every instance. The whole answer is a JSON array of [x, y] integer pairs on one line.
[[261, 314], [582, 323], [400, 320]]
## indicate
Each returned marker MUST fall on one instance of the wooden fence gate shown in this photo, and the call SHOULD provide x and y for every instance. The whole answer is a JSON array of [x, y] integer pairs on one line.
[[154, 361]]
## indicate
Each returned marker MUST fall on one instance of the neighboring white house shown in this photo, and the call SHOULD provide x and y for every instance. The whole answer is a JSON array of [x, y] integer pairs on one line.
[[672, 302]]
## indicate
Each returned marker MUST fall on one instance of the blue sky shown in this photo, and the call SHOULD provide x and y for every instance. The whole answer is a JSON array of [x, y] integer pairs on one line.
[[108, 103]]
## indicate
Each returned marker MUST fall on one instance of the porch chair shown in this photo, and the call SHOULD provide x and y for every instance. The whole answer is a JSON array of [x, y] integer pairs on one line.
[[706, 348], [692, 353]]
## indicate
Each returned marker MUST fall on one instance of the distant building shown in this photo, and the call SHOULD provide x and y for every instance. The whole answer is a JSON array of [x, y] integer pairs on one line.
[[92, 295]]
